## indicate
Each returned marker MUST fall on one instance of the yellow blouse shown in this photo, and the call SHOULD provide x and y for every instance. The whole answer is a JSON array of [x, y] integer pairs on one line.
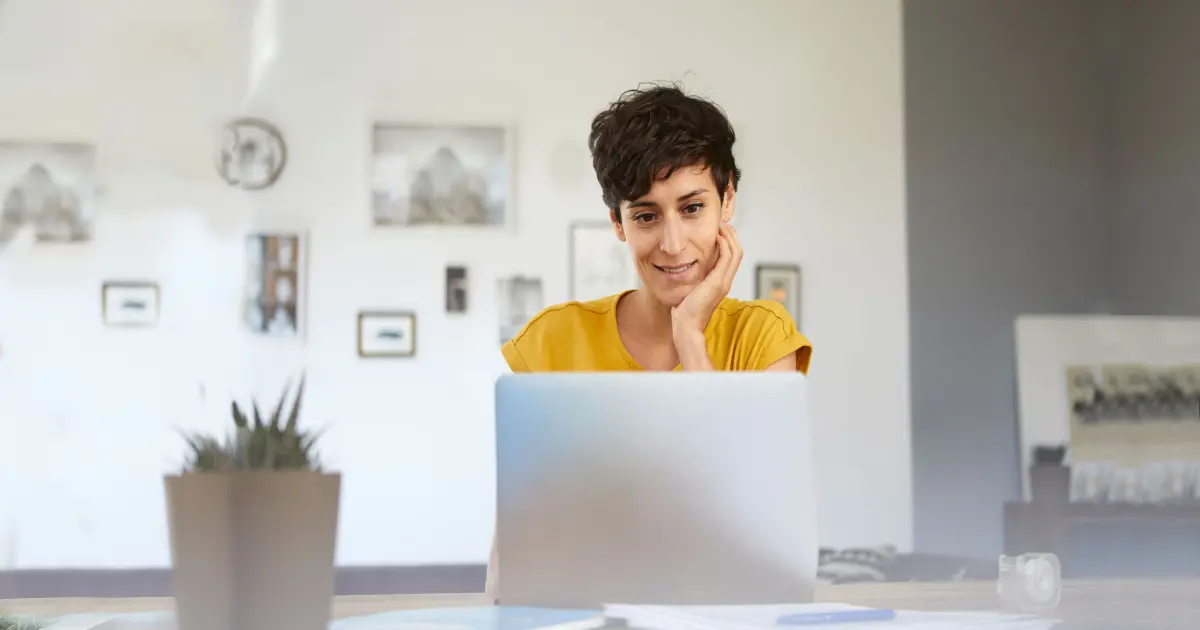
[[582, 336]]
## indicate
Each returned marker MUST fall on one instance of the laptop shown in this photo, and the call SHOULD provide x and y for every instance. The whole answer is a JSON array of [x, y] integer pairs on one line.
[[654, 488]]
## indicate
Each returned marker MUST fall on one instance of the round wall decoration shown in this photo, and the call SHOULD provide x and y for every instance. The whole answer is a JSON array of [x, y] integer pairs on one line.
[[251, 154]]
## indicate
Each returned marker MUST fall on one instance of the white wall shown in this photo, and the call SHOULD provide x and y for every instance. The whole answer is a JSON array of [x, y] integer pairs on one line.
[[89, 414]]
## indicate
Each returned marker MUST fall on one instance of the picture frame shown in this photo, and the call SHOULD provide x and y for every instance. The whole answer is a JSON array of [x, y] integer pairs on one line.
[[457, 289], [781, 283], [598, 263], [276, 284], [439, 174], [518, 299], [387, 334], [1069, 367], [129, 304], [49, 187]]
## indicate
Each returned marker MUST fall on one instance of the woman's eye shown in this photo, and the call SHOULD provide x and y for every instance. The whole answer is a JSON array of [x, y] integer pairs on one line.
[[645, 217], [693, 208]]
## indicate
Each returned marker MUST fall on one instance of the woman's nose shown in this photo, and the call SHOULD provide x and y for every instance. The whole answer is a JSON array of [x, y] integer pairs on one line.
[[673, 240]]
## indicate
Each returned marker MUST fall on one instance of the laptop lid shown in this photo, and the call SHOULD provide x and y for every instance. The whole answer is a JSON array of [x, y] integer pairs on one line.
[[663, 488]]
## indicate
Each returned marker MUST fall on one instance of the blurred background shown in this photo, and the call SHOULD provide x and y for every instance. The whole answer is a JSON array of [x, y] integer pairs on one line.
[[206, 199]]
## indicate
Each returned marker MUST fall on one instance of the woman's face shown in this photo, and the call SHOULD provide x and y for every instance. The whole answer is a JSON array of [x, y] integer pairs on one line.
[[672, 232]]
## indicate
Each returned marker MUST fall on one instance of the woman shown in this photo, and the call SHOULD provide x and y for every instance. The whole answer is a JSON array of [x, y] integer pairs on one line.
[[665, 165]]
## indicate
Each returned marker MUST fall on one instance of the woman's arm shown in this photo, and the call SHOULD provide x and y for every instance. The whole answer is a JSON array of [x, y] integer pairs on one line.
[[786, 364], [693, 353]]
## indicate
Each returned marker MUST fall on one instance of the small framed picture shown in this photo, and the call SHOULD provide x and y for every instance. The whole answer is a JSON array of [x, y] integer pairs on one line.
[[780, 283], [275, 283], [456, 289], [391, 334], [129, 304], [519, 298]]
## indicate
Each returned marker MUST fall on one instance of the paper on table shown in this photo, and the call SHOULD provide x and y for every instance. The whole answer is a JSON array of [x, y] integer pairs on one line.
[[763, 617], [475, 618]]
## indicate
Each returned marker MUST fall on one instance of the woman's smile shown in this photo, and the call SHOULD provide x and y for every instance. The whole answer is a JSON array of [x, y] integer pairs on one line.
[[677, 273]]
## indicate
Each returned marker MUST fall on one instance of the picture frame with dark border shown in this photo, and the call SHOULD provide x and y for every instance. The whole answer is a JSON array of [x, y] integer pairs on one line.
[[387, 334], [779, 282], [130, 303], [276, 277], [457, 289]]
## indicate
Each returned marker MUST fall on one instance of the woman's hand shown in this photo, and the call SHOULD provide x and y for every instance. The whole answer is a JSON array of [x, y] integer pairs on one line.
[[690, 317]]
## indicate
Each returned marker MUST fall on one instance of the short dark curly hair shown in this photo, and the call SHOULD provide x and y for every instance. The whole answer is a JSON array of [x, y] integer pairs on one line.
[[649, 133]]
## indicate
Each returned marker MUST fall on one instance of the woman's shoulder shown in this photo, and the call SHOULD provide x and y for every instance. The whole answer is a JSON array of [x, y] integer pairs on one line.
[[545, 334], [755, 334], [756, 314], [570, 315]]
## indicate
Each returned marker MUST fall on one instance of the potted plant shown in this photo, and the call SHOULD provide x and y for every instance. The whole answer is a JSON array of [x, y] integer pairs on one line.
[[20, 622], [253, 523]]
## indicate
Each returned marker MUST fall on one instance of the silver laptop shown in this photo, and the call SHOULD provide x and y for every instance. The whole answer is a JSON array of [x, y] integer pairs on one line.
[[662, 488]]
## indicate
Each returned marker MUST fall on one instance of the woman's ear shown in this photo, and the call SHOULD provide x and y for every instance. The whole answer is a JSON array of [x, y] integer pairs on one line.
[[617, 227], [728, 204]]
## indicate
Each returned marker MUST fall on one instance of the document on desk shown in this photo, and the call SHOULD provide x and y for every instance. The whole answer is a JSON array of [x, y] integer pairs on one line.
[[475, 618], [799, 616]]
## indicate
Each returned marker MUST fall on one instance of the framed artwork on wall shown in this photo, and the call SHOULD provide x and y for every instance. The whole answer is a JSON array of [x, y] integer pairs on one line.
[[441, 175], [520, 298], [50, 188], [781, 283], [456, 289], [275, 281], [387, 334], [599, 263], [1121, 393], [129, 304]]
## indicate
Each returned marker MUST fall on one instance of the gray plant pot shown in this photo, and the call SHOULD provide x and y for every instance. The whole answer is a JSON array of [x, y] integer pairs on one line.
[[253, 550]]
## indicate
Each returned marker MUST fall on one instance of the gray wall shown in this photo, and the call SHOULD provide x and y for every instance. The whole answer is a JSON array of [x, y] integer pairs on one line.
[[1007, 155], [1053, 167], [1156, 217]]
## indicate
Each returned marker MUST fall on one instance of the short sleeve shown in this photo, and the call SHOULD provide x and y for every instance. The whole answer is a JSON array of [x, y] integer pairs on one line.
[[527, 349], [778, 336], [512, 356]]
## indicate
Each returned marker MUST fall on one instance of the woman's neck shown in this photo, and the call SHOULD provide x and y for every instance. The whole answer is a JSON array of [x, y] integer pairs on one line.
[[649, 317]]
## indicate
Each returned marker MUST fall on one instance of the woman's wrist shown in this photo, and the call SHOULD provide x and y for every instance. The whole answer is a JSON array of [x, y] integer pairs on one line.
[[693, 352]]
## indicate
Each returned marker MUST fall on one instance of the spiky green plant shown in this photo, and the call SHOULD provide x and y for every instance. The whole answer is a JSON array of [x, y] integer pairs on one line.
[[258, 443], [13, 622]]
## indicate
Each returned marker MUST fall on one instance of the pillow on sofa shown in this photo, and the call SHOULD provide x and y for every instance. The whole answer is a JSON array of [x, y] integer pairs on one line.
[[855, 564]]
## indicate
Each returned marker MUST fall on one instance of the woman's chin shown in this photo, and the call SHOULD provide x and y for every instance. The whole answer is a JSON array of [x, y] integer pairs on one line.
[[672, 296]]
